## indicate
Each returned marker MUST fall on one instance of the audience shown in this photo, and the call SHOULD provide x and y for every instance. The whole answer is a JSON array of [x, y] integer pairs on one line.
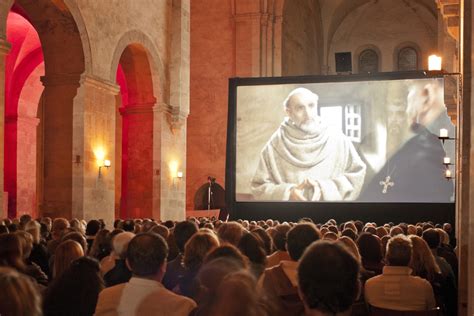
[[144, 295], [396, 288], [217, 264]]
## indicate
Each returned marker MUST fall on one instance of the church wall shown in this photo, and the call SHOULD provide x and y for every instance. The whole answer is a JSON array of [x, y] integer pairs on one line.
[[301, 41], [384, 26], [212, 63]]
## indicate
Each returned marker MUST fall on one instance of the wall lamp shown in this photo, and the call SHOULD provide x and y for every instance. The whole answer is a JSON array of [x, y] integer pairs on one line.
[[104, 164]]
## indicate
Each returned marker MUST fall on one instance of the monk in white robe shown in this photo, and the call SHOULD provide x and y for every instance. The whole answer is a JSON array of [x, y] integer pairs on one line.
[[306, 160]]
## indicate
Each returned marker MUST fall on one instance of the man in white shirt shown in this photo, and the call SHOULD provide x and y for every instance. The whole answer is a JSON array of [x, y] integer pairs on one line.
[[144, 294], [396, 288]]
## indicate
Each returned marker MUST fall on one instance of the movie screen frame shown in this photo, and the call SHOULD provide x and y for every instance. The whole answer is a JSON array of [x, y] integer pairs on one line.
[[234, 204]]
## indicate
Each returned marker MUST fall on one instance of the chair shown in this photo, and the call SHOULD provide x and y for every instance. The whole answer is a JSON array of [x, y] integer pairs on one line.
[[378, 311]]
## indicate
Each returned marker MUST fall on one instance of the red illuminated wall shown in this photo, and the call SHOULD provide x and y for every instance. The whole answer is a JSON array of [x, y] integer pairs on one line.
[[212, 63], [24, 66], [134, 78]]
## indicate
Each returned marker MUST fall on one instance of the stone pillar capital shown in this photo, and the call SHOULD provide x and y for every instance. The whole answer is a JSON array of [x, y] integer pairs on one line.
[[61, 80], [136, 109], [100, 83], [32, 121], [4, 47], [175, 116]]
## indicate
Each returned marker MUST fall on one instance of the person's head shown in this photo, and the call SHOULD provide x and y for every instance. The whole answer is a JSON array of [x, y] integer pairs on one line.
[[26, 241], [301, 106], [78, 287], [161, 230], [279, 238], [11, 251], [230, 232], [101, 244], [370, 248], [120, 244], [93, 227], [24, 219], [59, 227], [236, 295], [422, 261], [228, 252], [34, 228], [425, 102], [351, 246], [299, 238], [252, 246], [432, 238], [447, 228], [182, 232], [77, 237], [128, 225], [265, 238], [333, 286], [146, 256], [399, 251], [396, 230], [65, 253], [19, 296], [197, 248], [349, 233]]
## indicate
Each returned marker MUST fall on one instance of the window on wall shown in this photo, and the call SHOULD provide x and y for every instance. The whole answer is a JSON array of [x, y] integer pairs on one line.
[[346, 118], [368, 61], [407, 59]]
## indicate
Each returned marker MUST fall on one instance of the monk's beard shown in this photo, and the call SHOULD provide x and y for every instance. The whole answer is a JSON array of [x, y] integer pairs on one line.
[[310, 126]]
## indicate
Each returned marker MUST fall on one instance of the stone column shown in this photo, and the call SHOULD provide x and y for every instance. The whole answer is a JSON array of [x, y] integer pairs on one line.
[[93, 136], [58, 95], [465, 163], [4, 49]]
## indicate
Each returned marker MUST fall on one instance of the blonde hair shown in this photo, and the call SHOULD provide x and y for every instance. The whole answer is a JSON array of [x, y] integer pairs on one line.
[[34, 228], [422, 261], [19, 295], [66, 252], [350, 245]]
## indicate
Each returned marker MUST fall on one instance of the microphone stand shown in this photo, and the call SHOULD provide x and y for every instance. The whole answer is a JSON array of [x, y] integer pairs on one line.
[[209, 192]]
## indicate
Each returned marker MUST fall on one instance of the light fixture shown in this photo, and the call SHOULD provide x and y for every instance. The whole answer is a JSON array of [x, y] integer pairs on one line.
[[448, 175], [443, 135], [434, 63], [447, 161], [179, 175], [105, 163]]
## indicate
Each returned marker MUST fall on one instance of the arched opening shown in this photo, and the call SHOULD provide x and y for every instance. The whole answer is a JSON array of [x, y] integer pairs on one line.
[[134, 136], [368, 61], [23, 89], [42, 75]]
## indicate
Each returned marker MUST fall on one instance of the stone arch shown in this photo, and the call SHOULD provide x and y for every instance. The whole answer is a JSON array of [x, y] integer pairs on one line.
[[57, 25], [355, 58], [410, 44], [158, 70], [135, 132], [347, 7]]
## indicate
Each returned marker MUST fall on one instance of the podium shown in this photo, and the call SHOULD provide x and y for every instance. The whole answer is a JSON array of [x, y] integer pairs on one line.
[[202, 213]]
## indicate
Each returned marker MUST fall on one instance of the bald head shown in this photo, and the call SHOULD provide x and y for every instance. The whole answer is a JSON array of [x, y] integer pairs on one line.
[[301, 106]]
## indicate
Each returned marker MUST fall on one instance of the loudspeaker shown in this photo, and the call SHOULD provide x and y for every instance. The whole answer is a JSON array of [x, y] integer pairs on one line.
[[343, 62]]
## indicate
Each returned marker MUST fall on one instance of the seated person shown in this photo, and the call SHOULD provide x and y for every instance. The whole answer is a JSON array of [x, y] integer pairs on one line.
[[328, 279], [396, 288], [144, 294]]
